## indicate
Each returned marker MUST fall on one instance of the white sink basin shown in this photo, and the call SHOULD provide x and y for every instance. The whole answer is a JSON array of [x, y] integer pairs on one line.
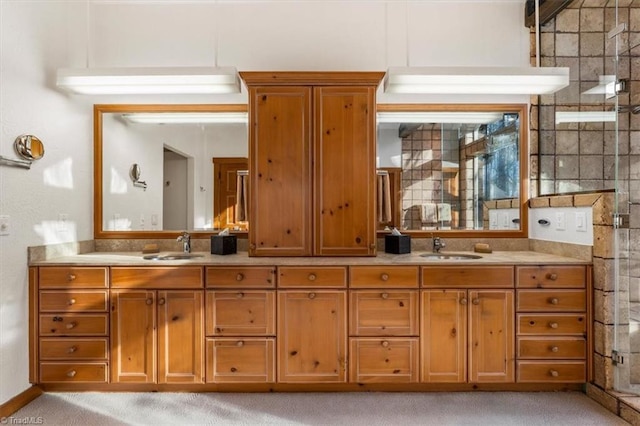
[[450, 256], [172, 256]]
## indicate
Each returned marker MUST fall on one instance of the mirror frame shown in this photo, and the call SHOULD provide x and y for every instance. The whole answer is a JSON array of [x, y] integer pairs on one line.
[[98, 110], [522, 110]]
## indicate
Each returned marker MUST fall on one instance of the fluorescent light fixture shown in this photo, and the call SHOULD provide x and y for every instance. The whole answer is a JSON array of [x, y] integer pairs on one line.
[[439, 117], [476, 80], [149, 81], [186, 117], [585, 116]]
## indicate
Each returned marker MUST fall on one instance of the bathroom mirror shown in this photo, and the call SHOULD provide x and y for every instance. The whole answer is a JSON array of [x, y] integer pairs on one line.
[[29, 147], [454, 169], [175, 146]]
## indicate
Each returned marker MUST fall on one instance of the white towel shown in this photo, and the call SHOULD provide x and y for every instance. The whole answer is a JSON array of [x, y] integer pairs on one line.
[[444, 212], [428, 213]]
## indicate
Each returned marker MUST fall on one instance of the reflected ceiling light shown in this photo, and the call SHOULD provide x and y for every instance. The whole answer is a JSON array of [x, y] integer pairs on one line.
[[608, 85], [584, 116], [476, 80], [149, 81], [439, 117], [186, 117]]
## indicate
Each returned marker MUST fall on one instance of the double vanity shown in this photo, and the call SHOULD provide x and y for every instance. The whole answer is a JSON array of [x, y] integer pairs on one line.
[[117, 321]]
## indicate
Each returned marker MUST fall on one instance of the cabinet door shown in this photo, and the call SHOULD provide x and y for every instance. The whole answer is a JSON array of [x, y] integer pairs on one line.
[[280, 214], [491, 336], [443, 336], [312, 329], [133, 348], [180, 337], [345, 167]]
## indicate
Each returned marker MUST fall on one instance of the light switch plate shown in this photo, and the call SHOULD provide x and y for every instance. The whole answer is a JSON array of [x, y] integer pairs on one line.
[[581, 222]]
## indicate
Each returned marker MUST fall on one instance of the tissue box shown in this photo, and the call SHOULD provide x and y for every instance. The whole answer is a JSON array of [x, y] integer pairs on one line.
[[224, 244], [397, 244]]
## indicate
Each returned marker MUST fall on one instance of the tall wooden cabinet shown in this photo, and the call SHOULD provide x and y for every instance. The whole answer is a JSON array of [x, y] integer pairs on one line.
[[312, 140]]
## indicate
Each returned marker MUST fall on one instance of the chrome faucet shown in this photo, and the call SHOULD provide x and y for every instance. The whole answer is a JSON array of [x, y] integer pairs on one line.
[[438, 244], [185, 238]]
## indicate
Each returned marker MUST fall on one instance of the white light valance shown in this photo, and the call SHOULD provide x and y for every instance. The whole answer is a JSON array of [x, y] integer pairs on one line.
[[186, 117]]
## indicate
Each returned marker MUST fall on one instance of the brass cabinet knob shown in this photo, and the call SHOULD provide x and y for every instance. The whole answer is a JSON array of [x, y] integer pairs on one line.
[[312, 295], [385, 344], [554, 301], [554, 373], [161, 301], [240, 343], [312, 277], [71, 277], [240, 276], [71, 373], [252, 246], [384, 277], [464, 301], [72, 301], [554, 349], [385, 295], [552, 276], [476, 301], [72, 349], [149, 301], [553, 324], [71, 325], [239, 295]]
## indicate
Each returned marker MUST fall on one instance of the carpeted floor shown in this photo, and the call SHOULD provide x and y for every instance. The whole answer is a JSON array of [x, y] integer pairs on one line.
[[478, 408]]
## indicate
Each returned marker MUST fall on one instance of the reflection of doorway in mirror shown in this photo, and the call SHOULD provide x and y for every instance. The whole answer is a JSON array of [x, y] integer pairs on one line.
[[175, 200], [225, 203]]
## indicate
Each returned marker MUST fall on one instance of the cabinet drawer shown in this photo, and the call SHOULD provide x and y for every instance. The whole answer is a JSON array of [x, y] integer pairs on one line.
[[552, 347], [545, 372], [303, 276], [552, 324], [86, 372], [260, 277], [383, 360], [169, 277], [383, 276], [241, 313], [468, 276], [61, 349], [73, 277], [384, 313], [551, 276], [74, 325], [240, 360], [73, 301], [552, 300]]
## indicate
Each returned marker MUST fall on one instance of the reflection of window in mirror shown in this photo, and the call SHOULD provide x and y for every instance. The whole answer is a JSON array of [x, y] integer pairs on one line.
[[459, 170]]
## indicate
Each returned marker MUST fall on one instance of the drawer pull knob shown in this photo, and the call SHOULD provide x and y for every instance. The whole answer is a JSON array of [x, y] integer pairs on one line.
[[384, 277], [240, 276], [552, 277], [71, 277], [240, 343], [385, 344], [554, 373], [72, 301], [554, 301], [149, 301], [464, 301], [312, 295], [71, 373], [71, 325], [476, 301], [553, 324], [161, 301], [72, 349], [312, 277], [554, 349], [240, 295], [385, 295]]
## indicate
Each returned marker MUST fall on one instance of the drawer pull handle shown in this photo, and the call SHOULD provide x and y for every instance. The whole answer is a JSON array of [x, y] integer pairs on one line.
[[384, 277], [57, 319], [161, 301], [552, 277], [71, 373], [385, 344], [554, 349], [240, 295], [464, 301], [554, 301], [149, 301], [476, 301], [553, 324], [240, 276], [72, 301], [71, 325], [554, 373], [240, 343], [385, 295], [312, 295], [71, 277], [312, 277], [72, 349]]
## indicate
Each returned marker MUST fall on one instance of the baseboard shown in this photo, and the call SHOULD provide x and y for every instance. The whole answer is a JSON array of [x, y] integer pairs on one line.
[[19, 401]]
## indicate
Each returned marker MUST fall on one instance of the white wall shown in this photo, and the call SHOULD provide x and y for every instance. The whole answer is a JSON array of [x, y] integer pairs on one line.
[[37, 37]]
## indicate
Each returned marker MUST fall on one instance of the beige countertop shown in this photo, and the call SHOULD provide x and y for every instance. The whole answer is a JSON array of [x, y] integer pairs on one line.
[[242, 258]]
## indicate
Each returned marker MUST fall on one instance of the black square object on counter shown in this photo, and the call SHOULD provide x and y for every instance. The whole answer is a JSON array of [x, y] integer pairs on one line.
[[397, 244], [224, 244]]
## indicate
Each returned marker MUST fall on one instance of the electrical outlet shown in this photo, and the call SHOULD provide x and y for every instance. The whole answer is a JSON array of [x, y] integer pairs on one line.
[[581, 222], [4, 225], [560, 221]]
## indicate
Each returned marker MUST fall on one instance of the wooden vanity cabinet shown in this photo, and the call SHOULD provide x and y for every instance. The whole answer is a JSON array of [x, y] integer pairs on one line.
[[308, 195]]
